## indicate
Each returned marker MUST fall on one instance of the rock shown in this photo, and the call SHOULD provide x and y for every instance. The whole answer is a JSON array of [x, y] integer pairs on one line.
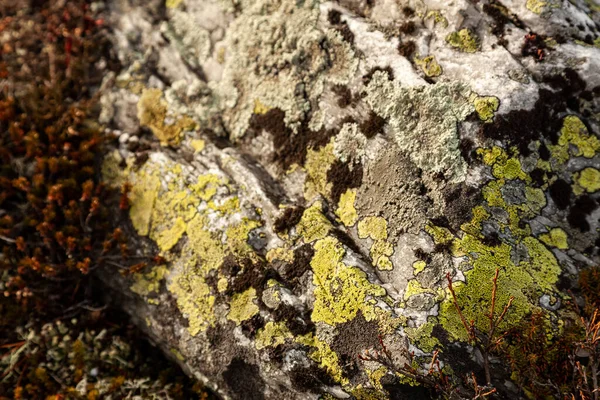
[[323, 167]]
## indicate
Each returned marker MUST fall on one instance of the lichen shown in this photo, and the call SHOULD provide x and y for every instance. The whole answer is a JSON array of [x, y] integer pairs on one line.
[[464, 40], [574, 133], [588, 179], [242, 306], [429, 65], [536, 6], [149, 282], [313, 225], [341, 291], [422, 336], [273, 334], [350, 144], [324, 355], [486, 106], [317, 164], [419, 266], [152, 111], [169, 237], [555, 238], [197, 145], [142, 197], [423, 120], [346, 210]]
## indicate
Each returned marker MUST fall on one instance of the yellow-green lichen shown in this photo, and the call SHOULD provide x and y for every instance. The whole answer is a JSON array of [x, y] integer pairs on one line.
[[486, 106], [324, 355], [313, 225], [429, 66], [142, 197], [194, 299], [173, 3], [273, 334], [464, 40], [437, 17], [380, 253], [346, 210], [205, 244], [242, 307], [419, 266], [318, 162], [149, 282], [207, 186], [588, 179], [575, 133], [169, 237], [536, 6], [152, 111], [422, 336], [341, 291], [197, 145], [555, 238], [373, 227]]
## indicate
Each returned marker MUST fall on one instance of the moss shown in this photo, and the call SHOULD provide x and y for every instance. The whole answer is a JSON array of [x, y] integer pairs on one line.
[[273, 334], [152, 111], [588, 179], [464, 40], [242, 307], [146, 283], [346, 210], [556, 238], [340, 290], [313, 225], [169, 237], [486, 106], [429, 66]]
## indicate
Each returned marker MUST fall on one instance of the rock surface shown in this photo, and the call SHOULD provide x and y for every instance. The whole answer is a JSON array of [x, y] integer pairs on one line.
[[311, 172]]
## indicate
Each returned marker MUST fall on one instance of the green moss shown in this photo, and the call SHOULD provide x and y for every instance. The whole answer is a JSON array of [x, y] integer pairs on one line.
[[556, 238], [464, 40], [242, 307], [341, 291], [429, 66], [346, 210], [486, 106], [273, 334]]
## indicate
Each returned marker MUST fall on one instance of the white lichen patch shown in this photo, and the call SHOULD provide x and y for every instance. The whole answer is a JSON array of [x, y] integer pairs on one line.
[[423, 121], [350, 144]]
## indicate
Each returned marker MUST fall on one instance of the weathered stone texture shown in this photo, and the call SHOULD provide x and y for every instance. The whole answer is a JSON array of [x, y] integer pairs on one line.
[[312, 171]]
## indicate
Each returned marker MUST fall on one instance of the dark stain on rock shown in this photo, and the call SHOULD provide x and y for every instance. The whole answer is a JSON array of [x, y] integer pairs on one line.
[[343, 178], [253, 274], [355, 336], [310, 379], [408, 28], [344, 95], [534, 45], [372, 125], [290, 147], [298, 321], [561, 193], [346, 33], [501, 17], [244, 380], [252, 325], [521, 127], [334, 17], [583, 207], [301, 264], [460, 200], [400, 391], [406, 48], [288, 219]]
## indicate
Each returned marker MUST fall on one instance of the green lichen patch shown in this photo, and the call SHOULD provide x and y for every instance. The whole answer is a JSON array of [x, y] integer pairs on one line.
[[341, 291], [346, 210], [242, 306], [588, 179], [464, 40], [149, 282], [429, 66], [313, 225], [486, 106], [152, 111], [555, 238], [574, 140], [273, 334]]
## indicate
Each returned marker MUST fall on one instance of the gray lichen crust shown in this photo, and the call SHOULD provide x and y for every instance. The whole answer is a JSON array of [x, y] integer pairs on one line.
[[312, 172]]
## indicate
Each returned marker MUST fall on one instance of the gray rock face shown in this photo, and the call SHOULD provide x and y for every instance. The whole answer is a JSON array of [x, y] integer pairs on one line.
[[312, 173]]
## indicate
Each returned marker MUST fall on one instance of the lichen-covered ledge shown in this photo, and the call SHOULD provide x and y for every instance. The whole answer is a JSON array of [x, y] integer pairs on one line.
[[315, 174]]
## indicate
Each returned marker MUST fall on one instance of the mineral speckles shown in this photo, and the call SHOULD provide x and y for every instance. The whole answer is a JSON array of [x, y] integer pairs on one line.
[[423, 121]]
